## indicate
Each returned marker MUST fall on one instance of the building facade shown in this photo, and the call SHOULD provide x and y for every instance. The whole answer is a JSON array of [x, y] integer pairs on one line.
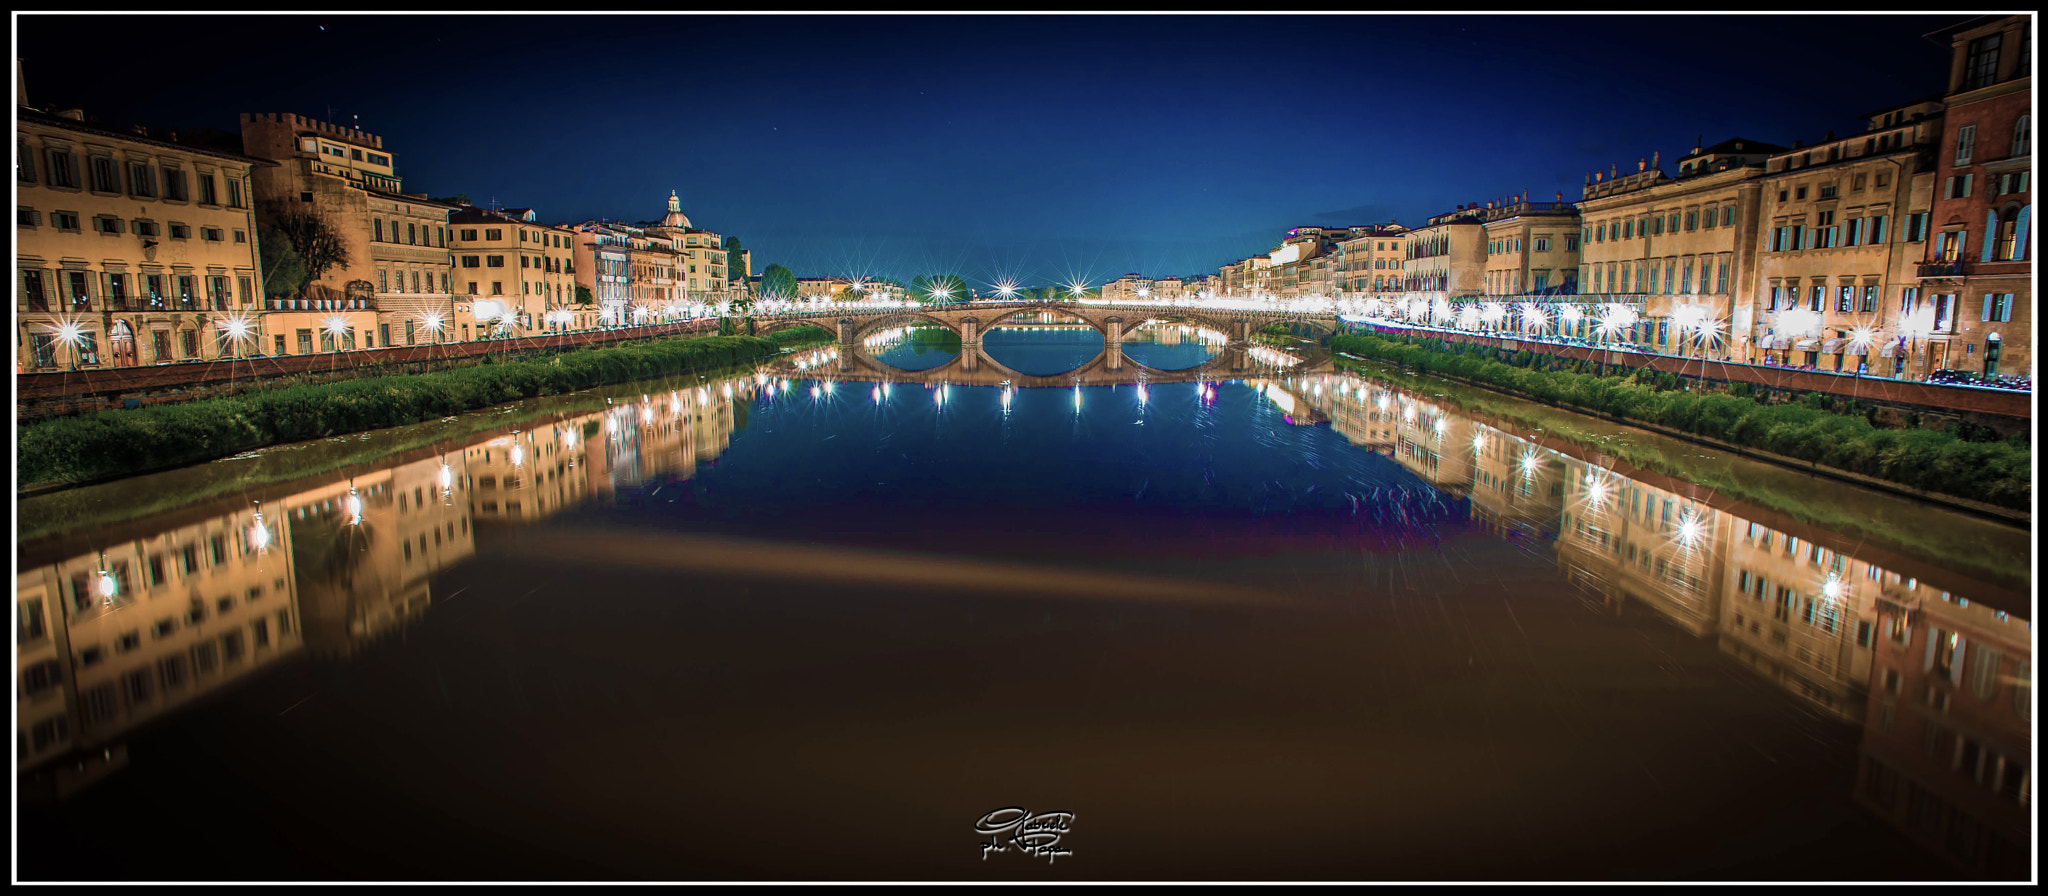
[[1843, 223], [513, 274], [1447, 255], [1532, 248], [130, 250], [1976, 308], [1654, 243]]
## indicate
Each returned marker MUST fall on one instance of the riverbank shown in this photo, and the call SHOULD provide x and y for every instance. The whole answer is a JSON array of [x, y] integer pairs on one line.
[[107, 445], [1995, 473]]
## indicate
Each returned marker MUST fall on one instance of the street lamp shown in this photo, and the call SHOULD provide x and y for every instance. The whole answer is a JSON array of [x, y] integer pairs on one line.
[[237, 328]]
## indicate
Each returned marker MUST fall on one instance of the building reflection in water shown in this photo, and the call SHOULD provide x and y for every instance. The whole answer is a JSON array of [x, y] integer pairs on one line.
[[114, 638], [1941, 686], [119, 635]]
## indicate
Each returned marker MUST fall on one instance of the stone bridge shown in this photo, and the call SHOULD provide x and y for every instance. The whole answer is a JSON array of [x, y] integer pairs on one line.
[[1110, 367], [970, 319]]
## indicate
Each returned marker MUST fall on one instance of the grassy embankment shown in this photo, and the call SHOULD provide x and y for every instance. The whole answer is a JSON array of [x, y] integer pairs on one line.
[[1818, 429], [115, 443]]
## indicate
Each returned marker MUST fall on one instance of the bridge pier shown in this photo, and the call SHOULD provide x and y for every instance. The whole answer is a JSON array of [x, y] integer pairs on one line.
[[846, 328], [970, 357], [970, 333], [1240, 330]]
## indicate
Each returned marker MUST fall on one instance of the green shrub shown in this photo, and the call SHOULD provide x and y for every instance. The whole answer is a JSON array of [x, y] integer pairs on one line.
[[1972, 462], [119, 442]]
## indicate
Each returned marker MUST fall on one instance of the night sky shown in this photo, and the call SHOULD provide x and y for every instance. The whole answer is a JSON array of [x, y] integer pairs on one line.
[[1038, 148]]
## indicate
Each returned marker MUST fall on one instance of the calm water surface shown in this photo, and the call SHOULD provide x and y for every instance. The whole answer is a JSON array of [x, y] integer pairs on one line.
[[801, 626]]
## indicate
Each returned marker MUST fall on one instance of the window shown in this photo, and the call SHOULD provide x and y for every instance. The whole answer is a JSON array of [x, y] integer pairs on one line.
[[104, 177], [469, 233], [1869, 297], [1966, 139], [141, 180], [174, 184], [494, 261], [206, 193], [180, 232], [1998, 307], [106, 224], [1692, 220], [493, 233], [2022, 136], [1916, 227], [212, 234], [376, 230], [63, 169], [1799, 193], [470, 261], [234, 192], [1980, 66]]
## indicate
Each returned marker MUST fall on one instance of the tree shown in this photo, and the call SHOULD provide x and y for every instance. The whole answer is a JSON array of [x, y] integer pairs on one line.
[[583, 296], [318, 245], [735, 259], [778, 282], [284, 272], [942, 289]]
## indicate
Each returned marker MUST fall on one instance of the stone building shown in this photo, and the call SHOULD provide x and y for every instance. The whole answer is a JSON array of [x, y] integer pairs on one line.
[[1976, 277], [604, 267], [1447, 255], [1532, 248], [130, 249], [1654, 243], [1370, 261], [700, 268], [344, 177], [1842, 227], [513, 274]]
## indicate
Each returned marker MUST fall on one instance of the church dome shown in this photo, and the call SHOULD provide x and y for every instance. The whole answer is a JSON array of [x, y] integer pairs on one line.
[[675, 217]]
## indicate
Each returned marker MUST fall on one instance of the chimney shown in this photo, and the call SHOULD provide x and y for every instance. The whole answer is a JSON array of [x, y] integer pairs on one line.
[[1798, 143], [1830, 138], [73, 114], [1560, 196], [1642, 165], [1653, 156]]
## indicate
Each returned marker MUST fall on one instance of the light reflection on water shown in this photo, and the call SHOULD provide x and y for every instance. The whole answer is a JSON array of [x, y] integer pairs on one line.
[[1235, 493]]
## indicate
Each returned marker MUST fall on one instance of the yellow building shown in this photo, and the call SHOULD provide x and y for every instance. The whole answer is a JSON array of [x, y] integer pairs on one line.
[[344, 177], [129, 249], [511, 273], [604, 267], [1655, 243], [700, 268], [1370, 262], [1844, 223], [1446, 256], [1531, 248]]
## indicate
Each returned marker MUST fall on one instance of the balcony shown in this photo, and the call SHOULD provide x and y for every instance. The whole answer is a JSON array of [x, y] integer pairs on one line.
[[1938, 269]]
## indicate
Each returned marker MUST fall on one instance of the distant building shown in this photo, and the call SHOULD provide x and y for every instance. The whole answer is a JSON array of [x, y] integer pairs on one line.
[[1532, 248], [1370, 261], [1447, 255], [512, 273], [345, 177]]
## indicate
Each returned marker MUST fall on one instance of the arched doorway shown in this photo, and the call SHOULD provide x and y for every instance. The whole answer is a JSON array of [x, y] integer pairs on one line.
[[1992, 344], [121, 344]]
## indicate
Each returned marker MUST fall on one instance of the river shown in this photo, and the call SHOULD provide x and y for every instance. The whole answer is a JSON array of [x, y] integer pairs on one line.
[[1227, 616]]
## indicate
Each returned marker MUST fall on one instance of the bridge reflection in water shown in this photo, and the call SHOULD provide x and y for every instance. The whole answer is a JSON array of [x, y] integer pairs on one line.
[[1929, 661], [1110, 367]]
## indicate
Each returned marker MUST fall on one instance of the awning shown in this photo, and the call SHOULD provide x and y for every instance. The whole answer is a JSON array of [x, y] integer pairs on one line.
[[1832, 346], [1887, 349], [1806, 344]]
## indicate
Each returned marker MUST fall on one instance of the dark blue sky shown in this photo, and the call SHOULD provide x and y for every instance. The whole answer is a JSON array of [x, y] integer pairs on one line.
[[1042, 148]]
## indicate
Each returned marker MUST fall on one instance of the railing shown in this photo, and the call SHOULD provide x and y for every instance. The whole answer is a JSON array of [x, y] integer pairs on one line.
[[1956, 268]]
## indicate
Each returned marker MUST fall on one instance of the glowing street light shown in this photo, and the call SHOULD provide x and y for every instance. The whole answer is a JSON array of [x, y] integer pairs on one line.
[[237, 327], [1615, 318], [1690, 529], [431, 321], [1006, 289], [336, 326]]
